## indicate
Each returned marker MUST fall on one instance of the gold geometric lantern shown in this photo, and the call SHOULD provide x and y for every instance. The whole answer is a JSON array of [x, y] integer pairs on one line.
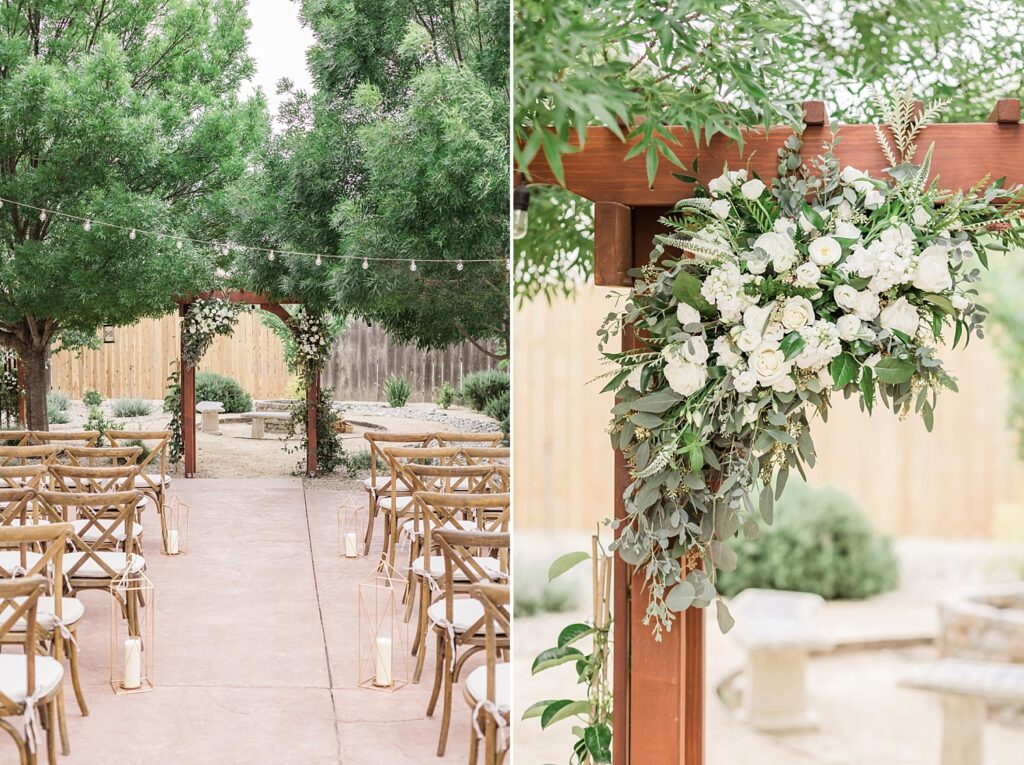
[[175, 522], [132, 633], [351, 527], [383, 632]]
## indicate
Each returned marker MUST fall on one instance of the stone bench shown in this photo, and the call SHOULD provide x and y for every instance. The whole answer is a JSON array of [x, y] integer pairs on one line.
[[777, 631], [966, 687], [211, 411], [259, 420]]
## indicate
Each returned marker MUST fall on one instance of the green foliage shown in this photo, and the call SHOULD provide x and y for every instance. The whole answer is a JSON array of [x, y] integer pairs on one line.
[[97, 421], [172, 406], [9, 393], [57, 416], [211, 386], [57, 401], [330, 452], [130, 407], [396, 390], [444, 395], [499, 408], [535, 593], [92, 398], [480, 387], [336, 325], [819, 542], [358, 463]]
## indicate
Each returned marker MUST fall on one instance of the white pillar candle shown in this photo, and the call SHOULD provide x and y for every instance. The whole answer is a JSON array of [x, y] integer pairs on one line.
[[383, 674], [132, 663], [350, 545], [172, 542]]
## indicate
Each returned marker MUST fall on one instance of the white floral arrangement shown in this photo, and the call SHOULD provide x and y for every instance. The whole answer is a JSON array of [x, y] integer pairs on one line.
[[207, 318], [313, 336], [759, 305]]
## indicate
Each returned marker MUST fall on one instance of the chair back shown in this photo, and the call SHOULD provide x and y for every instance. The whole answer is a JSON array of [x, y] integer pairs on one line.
[[102, 456], [24, 476], [152, 466], [476, 479], [62, 438], [19, 600], [120, 506], [461, 550], [94, 480], [41, 549], [495, 600], [489, 512], [380, 441], [28, 454], [483, 455], [492, 438], [16, 507]]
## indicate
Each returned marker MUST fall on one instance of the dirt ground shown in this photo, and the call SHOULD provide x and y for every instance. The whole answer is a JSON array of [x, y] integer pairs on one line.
[[234, 454]]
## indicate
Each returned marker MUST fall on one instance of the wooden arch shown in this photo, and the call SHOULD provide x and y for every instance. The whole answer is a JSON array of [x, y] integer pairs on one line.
[[659, 688], [188, 379]]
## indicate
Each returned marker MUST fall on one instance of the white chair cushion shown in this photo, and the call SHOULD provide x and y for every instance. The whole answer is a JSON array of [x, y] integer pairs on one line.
[[401, 501], [476, 685], [465, 613], [383, 482], [411, 525], [72, 611], [9, 559], [92, 534], [437, 567], [91, 569], [14, 676], [144, 481]]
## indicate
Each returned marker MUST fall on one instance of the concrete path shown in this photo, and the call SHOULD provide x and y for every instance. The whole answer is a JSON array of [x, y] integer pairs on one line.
[[256, 648]]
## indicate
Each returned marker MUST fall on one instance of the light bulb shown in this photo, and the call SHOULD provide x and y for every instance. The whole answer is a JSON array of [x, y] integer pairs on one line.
[[1, 203], [459, 265], [366, 264], [412, 266], [42, 215], [520, 211], [132, 234], [180, 244], [319, 260], [227, 250], [87, 225], [508, 265], [271, 255]]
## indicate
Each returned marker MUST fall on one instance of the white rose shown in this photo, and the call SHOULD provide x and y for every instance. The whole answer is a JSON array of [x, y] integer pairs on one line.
[[745, 381], [747, 339], [797, 312], [784, 226], [932, 273], [738, 176], [901, 316], [752, 189], [780, 248], [756, 317], [721, 208], [959, 302], [849, 327], [687, 314], [784, 384], [824, 251], [846, 230], [769, 363], [846, 297], [686, 379], [920, 217], [720, 185], [634, 377], [807, 275], [695, 350], [727, 357], [757, 263], [866, 305]]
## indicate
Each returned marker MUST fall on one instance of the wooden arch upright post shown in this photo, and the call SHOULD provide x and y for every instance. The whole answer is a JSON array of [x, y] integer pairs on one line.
[[659, 688], [188, 380]]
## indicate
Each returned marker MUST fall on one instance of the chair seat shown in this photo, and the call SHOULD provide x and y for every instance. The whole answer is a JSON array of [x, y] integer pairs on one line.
[[72, 611], [93, 533], [476, 685], [9, 559], [14, 676], [381, 483], [402, 501], [144, 482], [437, 567], [465, 613], [91, 569], [412, 526]]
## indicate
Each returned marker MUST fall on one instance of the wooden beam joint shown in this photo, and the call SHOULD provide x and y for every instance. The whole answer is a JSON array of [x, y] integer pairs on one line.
[[1006, 111], [613, 244]]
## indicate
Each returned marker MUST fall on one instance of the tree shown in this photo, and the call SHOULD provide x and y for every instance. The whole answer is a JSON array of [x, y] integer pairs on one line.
[[126, 112], [400, 152]]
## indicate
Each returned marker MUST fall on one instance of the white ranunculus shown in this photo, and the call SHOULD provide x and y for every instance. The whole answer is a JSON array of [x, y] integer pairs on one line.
[[920, 217], [866, 305], [932, 273], [745, 381], [686, 379], [727, 356], [900, 315], [673, 354], [797, 312], [775, 331], [784, 226], [687, 314], [824, 251], [846, 230], [807, 275], [757, 263], [695, 350], [721, 208], [756, 317], [780, 248], [846, 297], [849, 327], [959, 302], [752, 189], [769, 363], [747, 339], [720, 185]]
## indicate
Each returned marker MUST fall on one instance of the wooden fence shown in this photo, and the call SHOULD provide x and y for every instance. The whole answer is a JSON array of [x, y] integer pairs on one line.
[[962, 480], [138, 362]]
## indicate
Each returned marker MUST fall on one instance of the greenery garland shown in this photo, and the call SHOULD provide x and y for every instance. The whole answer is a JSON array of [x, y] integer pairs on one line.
[[9, 392], [206, 318], [777, 303]]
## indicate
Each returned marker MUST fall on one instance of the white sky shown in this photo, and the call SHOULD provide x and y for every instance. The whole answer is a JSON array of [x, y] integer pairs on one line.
[[278, 43]]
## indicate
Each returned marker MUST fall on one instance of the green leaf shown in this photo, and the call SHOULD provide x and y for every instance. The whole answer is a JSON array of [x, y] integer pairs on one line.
[[843, 370], [725, 620], [553, 657], [657, 402], [560, 710], [792, 344], [941, 302], [599, 743], [681, 596], [894, 371], [536, 709], [686, 289], [867, 387], [574, 632], [565, 562], [765, 504]]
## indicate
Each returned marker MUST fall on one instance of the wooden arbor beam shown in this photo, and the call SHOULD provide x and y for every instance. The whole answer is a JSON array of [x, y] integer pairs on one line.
[[659, 687]]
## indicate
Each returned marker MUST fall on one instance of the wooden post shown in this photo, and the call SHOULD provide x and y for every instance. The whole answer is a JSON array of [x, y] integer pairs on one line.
[[188, 408], [312, 399]]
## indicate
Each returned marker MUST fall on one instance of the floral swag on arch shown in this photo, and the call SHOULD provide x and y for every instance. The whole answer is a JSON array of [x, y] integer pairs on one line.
[[828, 282]]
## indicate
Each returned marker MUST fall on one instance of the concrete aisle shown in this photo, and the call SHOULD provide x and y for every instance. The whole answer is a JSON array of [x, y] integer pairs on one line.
[[256, 648]]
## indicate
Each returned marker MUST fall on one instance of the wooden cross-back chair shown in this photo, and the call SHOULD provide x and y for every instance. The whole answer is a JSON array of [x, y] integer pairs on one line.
[[379, 484], [483, 455], [102, 456], [152, 479], [100, 481], [24, 476], [488, 689], [459, 622], [17, 507], [29, 683], [62, 438], [42, 548], [451, 438], [28, 454]]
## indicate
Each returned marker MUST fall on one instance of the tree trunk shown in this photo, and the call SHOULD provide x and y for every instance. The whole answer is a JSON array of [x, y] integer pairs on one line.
[[34, 361]]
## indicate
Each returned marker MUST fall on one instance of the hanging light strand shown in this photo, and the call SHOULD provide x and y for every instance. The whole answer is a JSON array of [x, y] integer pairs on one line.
[[88, 224]]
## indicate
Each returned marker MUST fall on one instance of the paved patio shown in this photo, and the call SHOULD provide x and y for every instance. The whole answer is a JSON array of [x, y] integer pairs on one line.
[[256, 647]]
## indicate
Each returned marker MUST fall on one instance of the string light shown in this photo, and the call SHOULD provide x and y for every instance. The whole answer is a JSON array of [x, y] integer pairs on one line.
[[366, 264], [412, 265], [42, 216], [270, 257], [319, 260], [132, 235], [180, 244], [87, 225]]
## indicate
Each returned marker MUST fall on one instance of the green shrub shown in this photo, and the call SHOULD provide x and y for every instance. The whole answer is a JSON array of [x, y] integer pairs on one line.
[[98, 422], [57, 402], [397, 391], [534, 594], [131, 407], [498, 408], [358, 463], [211, 386], [480, 387], [820, 542], [444, 395], [92, 398], [56, 416]]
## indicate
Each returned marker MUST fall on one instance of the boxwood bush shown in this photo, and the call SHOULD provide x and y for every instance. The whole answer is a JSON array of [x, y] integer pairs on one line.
[[214, 387], [820, 542], [480, 387]]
